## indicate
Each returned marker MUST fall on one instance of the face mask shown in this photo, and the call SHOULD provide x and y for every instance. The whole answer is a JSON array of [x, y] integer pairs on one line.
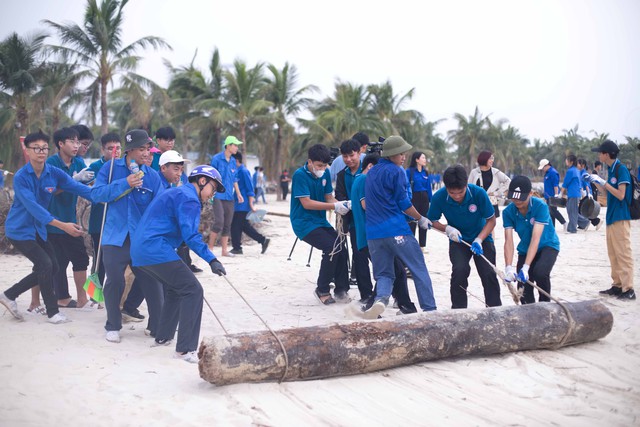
[[318, 173]]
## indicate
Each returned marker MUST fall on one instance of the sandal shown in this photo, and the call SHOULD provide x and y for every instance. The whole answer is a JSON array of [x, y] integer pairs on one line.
[[38, 310], [324, 299]]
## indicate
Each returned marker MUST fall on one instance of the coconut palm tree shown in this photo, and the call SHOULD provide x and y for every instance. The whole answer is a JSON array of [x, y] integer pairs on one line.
[[58, 93], [388, 106], [469, 136], [97, 46]]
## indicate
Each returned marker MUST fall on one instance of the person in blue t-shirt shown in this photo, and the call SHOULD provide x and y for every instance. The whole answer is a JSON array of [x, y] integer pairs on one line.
[[25, 227], [388, 234], [571, 186], [618, 220], [421, 193], [470, 218], [552, 189], [172, 218], [225, 164], [311, 198], [240, 224], [539, 244], [165, 139], [586, 192]]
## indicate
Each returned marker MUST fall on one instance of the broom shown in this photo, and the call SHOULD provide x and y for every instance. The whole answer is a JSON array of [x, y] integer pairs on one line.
[[93, 285]]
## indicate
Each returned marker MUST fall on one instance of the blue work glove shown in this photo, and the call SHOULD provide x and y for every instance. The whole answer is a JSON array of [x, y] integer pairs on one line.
[[476, 247], [509, 274], [217, 268], [523, 274]]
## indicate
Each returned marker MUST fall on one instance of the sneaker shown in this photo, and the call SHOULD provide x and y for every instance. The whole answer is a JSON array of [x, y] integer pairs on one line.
[[376, 310], [195, 269], [612, 291], [113, 336], [58, 318], [395, 303], [189, 356], [407, 309], [565, 226], [265, 245], [11, 305], [628, 295], [131, 315], [342, 297], [586, 227], [161, 343], [236, 251], [599, 224]]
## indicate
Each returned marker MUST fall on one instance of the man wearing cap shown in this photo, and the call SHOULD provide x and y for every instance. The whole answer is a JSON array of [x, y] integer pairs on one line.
[[223, 204], [471, 219], [128, 195], [618, 220], [388, 233], [551, 189], [539, 244], [165, 138]]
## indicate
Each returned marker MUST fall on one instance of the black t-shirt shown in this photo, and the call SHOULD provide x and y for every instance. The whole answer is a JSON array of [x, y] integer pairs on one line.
[[487, 179]]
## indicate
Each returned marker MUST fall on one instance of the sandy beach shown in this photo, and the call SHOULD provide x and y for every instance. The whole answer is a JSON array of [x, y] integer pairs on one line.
[[69, 375]]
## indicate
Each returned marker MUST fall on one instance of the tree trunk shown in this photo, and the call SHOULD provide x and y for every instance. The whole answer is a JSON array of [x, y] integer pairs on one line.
[[278, 162], [362, 347], [104, 125]]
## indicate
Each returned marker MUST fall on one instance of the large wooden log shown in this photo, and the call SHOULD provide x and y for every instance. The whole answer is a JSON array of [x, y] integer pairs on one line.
[[361, 347]]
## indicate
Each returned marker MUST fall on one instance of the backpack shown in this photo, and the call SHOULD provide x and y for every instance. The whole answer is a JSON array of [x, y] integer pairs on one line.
[[634, 206]]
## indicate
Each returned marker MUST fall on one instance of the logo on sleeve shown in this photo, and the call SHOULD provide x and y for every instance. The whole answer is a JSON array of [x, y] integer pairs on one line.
[[50, 190], [324, 181], [614, 180], [532, 221], [473, 208]]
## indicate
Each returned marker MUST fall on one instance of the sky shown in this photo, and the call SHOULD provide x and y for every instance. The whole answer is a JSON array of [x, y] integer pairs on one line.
[[544, 65]]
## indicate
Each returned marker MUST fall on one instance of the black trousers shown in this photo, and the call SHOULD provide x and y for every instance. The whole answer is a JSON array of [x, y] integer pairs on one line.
[[240, 225], [69, 249], [43, 256], [555, 214], [539, 273], [420, 201], [285, 190], [460, 256], [95, 238], [332, 269], [183, 253], [360, 266]]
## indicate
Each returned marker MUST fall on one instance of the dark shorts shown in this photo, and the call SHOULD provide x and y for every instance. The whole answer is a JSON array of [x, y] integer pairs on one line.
[[70, 249]]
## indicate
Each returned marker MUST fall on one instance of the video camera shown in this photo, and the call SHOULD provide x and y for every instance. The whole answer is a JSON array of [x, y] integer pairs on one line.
[[376, 147], [334, 152]]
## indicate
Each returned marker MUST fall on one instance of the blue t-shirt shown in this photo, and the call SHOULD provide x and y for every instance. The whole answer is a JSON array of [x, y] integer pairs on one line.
[[469, 216], [572, 182], [421, 181], [618, 210], [227, 169], [359, 214], [171, 218], [538, 213], [387, 199], [246, 189], [63, 205], [551, 181], [28, 214], [306, 184]]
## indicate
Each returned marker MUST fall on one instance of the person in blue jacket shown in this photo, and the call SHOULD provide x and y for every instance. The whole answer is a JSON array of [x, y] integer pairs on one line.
[[240, 224], [539, 244], [173, 218], [128, 194], [552, 189], [25, 227], [571, 186], [421, 193], [470, 218]]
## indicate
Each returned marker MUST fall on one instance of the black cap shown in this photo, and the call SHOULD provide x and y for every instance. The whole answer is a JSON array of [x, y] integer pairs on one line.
[[519, 188], [135, 139], [608, 147]]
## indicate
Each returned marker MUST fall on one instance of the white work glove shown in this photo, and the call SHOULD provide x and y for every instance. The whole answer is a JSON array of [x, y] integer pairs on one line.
[[6, 173], [509, 273], [583, 193], [424, 223], [453, 234], [342, 208], [85, 175], [596, 179]]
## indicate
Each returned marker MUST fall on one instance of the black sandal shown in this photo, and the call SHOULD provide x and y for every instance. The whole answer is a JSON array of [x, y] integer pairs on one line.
[[329, 299]]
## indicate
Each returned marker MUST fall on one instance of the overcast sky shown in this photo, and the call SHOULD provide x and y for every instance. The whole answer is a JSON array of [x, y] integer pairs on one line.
[[545, 65]]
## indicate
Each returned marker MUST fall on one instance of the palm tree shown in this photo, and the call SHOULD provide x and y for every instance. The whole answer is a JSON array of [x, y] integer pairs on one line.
[[58, 92], [388, 107], [471, 133], [97, 45], [286, 101], [20, 69]]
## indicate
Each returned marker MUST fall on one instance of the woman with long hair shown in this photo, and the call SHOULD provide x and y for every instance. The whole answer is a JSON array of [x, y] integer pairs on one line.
[[420, 184]]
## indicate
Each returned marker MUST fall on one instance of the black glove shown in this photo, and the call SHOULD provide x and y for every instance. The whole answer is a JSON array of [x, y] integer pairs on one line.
[[217, 268]]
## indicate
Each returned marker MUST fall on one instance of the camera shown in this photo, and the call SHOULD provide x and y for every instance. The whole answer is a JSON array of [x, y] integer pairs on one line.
[[376, 147], [334, 152]]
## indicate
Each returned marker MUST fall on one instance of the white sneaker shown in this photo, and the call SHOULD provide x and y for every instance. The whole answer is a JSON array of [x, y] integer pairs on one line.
[[58, 318], [190, 356], [599, 225], [113, 336], [11, 305], [376, 310]]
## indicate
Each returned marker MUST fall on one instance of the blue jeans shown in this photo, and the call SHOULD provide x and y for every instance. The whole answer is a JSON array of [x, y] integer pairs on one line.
[[407, 249]]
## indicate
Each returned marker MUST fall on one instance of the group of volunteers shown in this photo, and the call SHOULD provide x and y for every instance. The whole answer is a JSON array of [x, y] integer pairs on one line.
[[379, 204], [145, 216]]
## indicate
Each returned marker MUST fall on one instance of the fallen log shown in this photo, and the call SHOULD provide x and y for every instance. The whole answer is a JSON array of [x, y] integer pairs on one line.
[[361, 347]]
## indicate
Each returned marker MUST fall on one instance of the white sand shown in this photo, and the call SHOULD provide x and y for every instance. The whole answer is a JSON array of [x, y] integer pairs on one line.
[[69, 375]]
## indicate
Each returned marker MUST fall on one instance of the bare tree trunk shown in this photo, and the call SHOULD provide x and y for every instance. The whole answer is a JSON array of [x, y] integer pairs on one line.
[[359, 347], [104, 125], [278, 161]]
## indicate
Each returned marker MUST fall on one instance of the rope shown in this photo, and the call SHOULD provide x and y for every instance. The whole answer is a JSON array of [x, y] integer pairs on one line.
[[284, 351], [215, 315], [341, 240]]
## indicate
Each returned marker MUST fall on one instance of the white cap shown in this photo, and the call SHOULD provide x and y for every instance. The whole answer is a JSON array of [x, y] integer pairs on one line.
[[172, 156], [543, 163]]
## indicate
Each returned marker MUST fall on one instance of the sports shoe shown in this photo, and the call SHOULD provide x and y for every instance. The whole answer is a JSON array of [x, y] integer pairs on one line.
[[236, 251], [265, 245], [58, 318], [161, 343], [599, 224], [195, 269], [113, 336], [376, 309], [565, 226], [189, 356], [628, 295], [586, 227], [11, 305], [612, 291], [342, 297], [407, 309], [131, 315]]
